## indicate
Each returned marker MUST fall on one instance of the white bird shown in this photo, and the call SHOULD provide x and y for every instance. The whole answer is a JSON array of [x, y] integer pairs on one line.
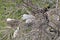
[[27, 16], [29, 19], [15, 34], [12, 22]]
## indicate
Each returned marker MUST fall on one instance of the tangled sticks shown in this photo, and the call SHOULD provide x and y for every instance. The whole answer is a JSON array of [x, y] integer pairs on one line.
[[41, 12]]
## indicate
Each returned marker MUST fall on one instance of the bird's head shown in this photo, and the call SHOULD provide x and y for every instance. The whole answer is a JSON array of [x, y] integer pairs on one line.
[[9, 19]]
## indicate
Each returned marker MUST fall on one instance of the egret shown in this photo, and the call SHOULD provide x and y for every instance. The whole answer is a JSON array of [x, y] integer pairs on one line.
[[29, 19], [12, 22], [27, 16]]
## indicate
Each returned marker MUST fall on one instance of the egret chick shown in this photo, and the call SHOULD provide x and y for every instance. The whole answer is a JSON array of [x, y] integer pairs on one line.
[[12, 22], [27, 16]]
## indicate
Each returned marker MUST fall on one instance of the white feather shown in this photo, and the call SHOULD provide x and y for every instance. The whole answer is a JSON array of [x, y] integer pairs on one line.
[[16, 32]]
